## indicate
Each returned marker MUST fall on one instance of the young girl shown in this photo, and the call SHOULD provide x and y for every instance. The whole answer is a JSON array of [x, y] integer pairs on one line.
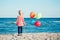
[[20, 22]]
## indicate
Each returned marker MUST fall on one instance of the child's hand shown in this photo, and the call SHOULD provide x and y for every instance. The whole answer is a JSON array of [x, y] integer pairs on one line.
[[24, 23]]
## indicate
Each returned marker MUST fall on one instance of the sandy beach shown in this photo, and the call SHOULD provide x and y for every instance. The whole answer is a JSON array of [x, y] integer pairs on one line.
[[31, 36]]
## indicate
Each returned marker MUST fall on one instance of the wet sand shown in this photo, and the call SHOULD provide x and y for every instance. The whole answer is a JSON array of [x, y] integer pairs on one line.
[[31, 36]]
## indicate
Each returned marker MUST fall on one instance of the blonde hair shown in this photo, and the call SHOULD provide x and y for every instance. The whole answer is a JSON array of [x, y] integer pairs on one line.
[[20, 12]]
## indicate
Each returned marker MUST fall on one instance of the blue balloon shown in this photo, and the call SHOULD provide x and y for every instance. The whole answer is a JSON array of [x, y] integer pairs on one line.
[[32, 22]]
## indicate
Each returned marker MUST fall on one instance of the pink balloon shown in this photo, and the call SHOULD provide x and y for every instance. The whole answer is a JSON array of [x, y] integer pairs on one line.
[[37, 23]]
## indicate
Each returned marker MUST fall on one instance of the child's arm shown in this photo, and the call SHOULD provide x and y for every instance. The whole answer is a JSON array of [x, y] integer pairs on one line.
[[24, 22], [17, 20]]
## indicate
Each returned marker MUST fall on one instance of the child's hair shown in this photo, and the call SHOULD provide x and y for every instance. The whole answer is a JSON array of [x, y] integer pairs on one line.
[[19, 12]]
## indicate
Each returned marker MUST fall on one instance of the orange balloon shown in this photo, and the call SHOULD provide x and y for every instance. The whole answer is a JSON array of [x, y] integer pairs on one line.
[[32, 15]]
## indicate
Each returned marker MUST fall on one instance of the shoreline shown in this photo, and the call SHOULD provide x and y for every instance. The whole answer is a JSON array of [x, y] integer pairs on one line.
[[31, 36]]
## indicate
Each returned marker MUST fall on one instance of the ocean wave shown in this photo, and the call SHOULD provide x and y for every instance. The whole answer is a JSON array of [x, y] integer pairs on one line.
[[10, 22], [56, 21]]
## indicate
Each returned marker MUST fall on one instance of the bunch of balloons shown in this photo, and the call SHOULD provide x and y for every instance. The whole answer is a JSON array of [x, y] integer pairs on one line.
[[37, 16]]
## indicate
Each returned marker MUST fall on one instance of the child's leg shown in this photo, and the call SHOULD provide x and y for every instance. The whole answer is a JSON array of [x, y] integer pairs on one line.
[[18, 31], [21, 29]]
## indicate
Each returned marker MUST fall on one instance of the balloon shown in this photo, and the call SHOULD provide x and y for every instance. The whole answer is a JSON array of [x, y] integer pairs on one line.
[[32, 22], [32, 15], [37, 23], [38, 15]]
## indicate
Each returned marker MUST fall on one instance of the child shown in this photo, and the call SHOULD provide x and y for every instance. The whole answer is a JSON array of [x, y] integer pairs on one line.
[[20, 22]]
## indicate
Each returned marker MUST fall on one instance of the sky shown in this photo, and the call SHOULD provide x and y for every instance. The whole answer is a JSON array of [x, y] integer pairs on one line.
[[48, 8]]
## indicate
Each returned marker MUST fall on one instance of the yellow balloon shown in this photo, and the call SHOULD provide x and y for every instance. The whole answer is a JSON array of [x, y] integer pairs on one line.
[[38, 15]]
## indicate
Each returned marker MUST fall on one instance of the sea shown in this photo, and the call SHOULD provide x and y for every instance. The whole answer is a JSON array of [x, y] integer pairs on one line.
[[48, 25]]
